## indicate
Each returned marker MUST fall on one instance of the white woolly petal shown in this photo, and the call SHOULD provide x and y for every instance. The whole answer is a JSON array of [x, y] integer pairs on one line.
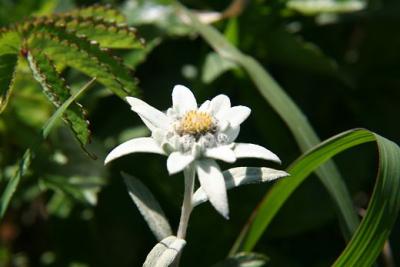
[[235, 115], [220, 104], [152, 117], [158, 135], [142, 144], [177, 161], [205, 106], [213, 183], [183, 99], [243, 150], [224, 153], [231, 134]]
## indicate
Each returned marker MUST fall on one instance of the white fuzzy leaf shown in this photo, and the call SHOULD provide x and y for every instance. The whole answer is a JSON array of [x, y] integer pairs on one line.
[[240, 176], [164, 253], [148, 207]]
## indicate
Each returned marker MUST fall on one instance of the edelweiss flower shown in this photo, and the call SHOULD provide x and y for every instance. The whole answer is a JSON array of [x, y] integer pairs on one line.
[[189, 134]]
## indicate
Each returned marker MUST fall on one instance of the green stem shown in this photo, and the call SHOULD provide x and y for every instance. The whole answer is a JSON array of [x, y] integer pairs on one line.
[[187, 206]]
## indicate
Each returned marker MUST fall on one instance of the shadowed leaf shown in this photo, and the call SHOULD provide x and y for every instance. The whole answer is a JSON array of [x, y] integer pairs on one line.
[[24, 163], [8, 64]]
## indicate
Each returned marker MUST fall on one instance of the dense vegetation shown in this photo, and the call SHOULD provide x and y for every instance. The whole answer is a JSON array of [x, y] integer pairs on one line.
[[308, 69]]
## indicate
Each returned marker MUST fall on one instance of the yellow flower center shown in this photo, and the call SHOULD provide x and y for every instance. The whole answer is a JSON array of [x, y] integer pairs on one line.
[[196, 123]]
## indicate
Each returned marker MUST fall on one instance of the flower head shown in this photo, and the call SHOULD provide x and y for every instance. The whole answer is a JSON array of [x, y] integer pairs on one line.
[[198, 135]]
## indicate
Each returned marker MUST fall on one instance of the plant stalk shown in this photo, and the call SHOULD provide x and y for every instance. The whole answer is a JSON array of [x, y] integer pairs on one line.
[[187, 206]]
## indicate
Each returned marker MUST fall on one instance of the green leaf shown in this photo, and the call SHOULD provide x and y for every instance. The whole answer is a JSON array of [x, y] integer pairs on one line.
[[289, 112], [100, 12], [24, 163], [244, 259], [58, 92], [78, 52], [107, 34], [13, 183], [148, 207], [370, 236], [214, 66], [8, 64], [313, 7], [81, 188], [10, 41]]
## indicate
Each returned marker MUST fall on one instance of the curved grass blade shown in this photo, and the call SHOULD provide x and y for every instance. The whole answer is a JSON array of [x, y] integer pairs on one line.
[[288, 111], [368, 240], [24, 163], [8, 65], [57, 91]]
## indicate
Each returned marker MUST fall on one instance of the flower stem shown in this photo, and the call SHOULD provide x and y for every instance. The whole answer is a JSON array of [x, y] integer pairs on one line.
[[187, 206]]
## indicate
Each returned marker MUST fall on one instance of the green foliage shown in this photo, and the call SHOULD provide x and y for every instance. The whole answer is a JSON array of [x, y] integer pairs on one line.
[[328, 66], [57, 92], [26, 160], [7, 71], [107, 34], [79, 39], [367, 242]]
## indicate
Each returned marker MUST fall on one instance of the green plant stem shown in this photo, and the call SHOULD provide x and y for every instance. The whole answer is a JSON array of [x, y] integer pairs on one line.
[[187, 205]]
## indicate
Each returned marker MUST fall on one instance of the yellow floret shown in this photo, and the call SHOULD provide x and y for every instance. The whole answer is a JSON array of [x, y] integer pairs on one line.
[[196, 122]]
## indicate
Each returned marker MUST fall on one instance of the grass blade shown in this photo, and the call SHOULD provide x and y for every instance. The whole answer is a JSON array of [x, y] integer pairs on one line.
[[368, 240]]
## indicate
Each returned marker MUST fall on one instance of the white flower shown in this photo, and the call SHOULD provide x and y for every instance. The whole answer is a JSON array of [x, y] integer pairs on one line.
[[189, 134]]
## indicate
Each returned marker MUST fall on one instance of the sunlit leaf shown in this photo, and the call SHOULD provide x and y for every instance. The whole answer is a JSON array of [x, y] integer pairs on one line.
[[214, 66], [312, 7], [102, 12], [107, 34], [10, 41], [58, 92], [78, 52]]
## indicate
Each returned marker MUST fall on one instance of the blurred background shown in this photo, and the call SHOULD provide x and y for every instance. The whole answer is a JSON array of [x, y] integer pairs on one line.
[[339, 61]]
